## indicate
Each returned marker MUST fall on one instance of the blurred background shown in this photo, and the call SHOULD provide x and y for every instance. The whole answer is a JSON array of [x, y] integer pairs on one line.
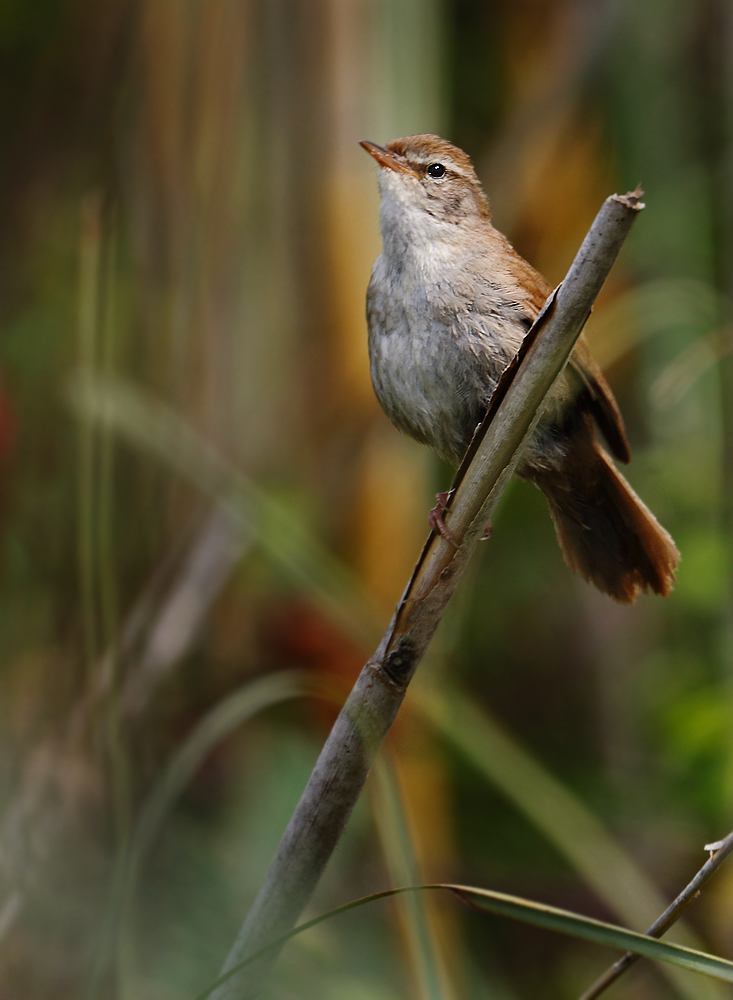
[[205, 520]]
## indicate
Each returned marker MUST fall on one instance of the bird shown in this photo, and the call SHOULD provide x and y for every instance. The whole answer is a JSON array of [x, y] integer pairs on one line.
[[449, 303]]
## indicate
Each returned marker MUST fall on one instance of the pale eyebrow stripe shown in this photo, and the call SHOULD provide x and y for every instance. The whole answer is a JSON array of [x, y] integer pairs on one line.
[[447, 163]]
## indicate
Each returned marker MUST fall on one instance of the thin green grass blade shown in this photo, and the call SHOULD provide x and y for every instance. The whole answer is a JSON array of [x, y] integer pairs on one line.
[[575, 925], [526, 911]]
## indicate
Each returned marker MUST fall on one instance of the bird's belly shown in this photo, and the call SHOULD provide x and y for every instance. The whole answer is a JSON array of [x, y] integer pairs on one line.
[[435, 381]]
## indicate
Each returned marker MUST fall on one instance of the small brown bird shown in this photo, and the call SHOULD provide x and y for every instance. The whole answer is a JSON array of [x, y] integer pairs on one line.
[[448, 305]]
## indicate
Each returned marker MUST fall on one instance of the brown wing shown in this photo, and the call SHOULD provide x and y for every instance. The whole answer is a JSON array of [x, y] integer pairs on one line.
[[603, 405]]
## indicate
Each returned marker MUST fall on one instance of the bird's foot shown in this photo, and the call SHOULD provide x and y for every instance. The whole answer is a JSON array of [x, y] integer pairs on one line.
[[435, 517], [488, 532]]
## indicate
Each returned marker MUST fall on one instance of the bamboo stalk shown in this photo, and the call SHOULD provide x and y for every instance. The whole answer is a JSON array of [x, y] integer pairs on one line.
[[349, 752]]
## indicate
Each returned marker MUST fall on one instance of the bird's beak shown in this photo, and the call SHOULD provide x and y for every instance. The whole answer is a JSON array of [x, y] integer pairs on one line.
[[387, 159]]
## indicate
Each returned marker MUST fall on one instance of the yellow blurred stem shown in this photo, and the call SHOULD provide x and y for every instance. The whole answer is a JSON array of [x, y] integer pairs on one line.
[[423, 946]]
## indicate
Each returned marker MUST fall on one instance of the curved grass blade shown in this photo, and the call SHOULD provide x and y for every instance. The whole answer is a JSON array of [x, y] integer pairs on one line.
[[540, 915], [574, 924], [215, 726]]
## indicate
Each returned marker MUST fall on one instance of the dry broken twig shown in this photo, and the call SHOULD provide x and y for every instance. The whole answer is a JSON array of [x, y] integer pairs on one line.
[[721, 849]]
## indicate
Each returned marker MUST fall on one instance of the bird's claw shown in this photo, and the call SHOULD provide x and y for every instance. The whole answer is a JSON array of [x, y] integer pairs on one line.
[[435, 518]]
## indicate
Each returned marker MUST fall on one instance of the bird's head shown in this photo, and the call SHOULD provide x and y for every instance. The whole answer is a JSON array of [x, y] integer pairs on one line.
[[425, 174]]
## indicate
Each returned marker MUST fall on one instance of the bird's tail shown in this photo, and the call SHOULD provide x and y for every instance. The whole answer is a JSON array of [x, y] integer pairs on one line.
[[605, 531]]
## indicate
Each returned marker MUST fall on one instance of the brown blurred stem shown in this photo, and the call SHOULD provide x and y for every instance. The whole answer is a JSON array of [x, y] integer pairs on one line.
[[670, 916], [344, 763]]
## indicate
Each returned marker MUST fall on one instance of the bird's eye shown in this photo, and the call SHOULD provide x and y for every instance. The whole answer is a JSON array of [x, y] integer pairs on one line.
[[436, 170]]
